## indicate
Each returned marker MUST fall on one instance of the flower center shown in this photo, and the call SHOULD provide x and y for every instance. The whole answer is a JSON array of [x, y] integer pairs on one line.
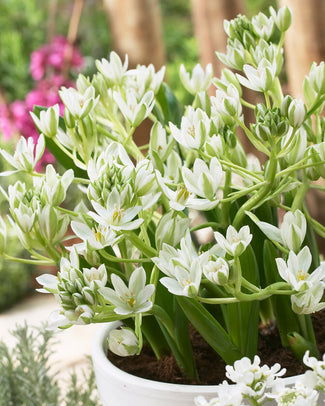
[[191, 131], [301, 275], [182, 194], [118, 214]]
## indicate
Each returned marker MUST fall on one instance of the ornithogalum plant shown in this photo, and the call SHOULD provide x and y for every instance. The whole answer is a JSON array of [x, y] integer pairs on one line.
[[128, 251]]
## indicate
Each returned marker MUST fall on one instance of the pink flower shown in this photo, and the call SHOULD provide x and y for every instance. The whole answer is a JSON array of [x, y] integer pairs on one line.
[[53, 55], [7, 127]]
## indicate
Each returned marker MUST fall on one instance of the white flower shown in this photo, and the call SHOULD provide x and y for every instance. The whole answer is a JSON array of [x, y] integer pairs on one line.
[[217, 271], [114, 215], [295, 271], [49, 283], [182, 267], [292, 231], [113, 70], [159, 144], [296, 112], [182, 197], [144, 78], [52, 187], [309, 301], [95, 277], [78, 104], [145, 179], [23, 158], [97, 237], [131, 299], [226, 103], [169, 256], [134, 111], [263, 26], [235, 57], [318, 369], [195, 127], [203, 181], [282, 18], [184, 281], [235, 242], [317, 77], [48, 121], [300, 394], [256, 378], [25, 217], [261, 78], [200, 79], [123, 342], [52, 226], [227, 395]]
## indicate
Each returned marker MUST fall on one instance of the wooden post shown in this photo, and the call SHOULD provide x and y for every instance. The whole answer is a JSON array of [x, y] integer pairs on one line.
[[137, 30], [304, 42], [208, 17]]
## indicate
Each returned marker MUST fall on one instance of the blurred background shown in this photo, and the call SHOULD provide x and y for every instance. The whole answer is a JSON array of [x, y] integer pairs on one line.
[[45, 44]]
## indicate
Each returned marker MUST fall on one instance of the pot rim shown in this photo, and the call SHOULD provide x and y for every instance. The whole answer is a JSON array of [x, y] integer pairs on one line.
[[99, 349]]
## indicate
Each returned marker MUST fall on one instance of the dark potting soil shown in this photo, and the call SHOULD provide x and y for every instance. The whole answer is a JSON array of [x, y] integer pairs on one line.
[[211, 367]]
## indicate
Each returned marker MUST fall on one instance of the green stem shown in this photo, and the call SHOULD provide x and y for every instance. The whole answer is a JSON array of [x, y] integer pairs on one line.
[[300, 195], [138, 243], [28, 261], [211, 224], [111, 258], [257, 144], [256, 199], [240, 170]]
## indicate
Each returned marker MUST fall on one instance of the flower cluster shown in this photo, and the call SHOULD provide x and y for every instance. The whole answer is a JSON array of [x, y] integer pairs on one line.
[[130, 250], [258, 384]]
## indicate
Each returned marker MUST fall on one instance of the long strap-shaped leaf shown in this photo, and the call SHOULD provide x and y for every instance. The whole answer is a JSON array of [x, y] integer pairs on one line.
[[209, 328]]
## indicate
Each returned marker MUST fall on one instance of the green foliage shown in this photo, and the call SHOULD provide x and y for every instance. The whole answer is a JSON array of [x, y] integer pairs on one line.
[[27, 378], [22, 31], [15, 278]]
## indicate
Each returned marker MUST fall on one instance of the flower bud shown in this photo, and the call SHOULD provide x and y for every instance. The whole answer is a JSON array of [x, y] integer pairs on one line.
[[123, 342], [282, 18], [69, 120], [296, 113], [171, 229], [48, 121], [316, 155], [217, 271]]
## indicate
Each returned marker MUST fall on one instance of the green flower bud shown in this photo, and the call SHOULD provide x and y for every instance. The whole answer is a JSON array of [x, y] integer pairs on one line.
[[171, 229], [282, 18]]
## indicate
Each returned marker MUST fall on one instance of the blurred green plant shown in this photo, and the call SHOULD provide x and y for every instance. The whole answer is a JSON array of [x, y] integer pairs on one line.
[[22, 27], [15, 278], [27, 377]]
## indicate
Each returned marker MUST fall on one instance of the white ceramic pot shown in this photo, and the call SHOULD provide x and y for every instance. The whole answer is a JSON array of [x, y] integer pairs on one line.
[[118, 388]]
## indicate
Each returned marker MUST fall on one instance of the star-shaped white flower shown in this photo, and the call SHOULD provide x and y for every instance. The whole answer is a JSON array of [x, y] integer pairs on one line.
[[115, 216], [235, 242], [129, 299]]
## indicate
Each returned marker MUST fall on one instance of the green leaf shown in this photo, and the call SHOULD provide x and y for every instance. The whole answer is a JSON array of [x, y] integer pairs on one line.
[[169, 105], [210, 329], [243, 317], [300, 345], [60, 156]]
